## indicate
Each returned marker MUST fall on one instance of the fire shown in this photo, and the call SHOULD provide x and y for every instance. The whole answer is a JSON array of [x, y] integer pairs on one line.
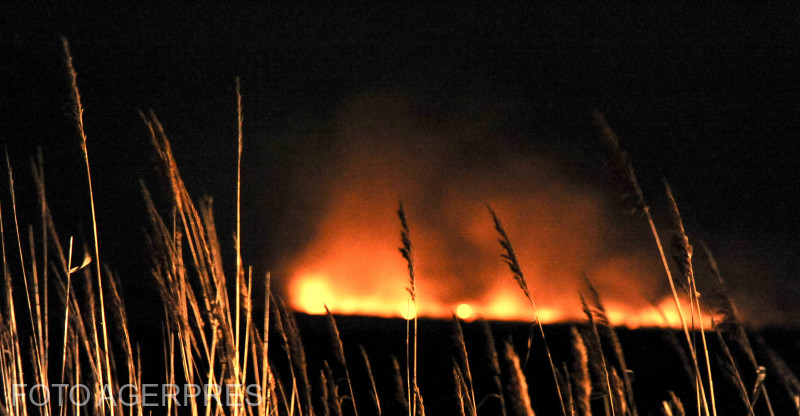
[[313, 292], [355, 272], [464, 311], [410, 312], [561, 225]]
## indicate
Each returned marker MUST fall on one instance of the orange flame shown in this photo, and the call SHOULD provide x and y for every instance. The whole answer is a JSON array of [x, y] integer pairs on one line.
[[312, 292], [561, 225], [353, 268]]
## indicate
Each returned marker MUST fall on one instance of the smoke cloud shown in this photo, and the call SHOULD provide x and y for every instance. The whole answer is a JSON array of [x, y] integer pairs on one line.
[[562, 221]]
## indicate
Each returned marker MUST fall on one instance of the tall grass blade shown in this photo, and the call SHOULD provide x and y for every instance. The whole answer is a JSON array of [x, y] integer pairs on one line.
[[510, 259], [622, 172], [411, 339]]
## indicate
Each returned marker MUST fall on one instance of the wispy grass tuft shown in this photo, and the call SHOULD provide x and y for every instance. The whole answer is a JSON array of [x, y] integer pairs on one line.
[[510, 259], [494, 364], [601, 318], [373, 390], [411, 339], [622, 171], [462, 365], [579, 375], [338, 353], [682, 256], [518, 398]]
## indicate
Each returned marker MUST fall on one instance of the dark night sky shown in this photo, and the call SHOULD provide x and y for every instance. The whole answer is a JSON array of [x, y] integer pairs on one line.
[[705, 96]]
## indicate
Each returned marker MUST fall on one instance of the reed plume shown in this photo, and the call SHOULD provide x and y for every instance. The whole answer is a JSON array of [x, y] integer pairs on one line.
[[618, 393], [682, 256], [462, 365], [411, 343], [758, 388], [466, 405], [601, 317], [494, 364], [728, 364], [516, 272], [622, 171], [325, 393], [400, 388], [579, 374], [460, 393], [519, 401], [334, 401], [566, 386], [372, 389], [731, 326], [420, 402], [298, 355], [338, 352], [673, 406], [729, 322], [78, 115], [597, 358], [238, 237]]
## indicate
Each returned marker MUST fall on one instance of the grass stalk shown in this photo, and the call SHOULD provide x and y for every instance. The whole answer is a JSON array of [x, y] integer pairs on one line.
[[338, 352], [510, 259], [581, 382], [372, 388], [611, 334], [68, 273], [411, 362], [519, 400], [78, 113], [596, 346], [683, 258], [265, 371], [463, 365], [239, 270], [632, 193], [494, 365]]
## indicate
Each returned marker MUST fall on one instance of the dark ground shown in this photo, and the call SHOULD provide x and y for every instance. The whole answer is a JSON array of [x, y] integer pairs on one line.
[[650, 353]]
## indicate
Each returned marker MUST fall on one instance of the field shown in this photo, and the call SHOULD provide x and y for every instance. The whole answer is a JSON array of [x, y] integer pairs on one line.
[[65, 320]]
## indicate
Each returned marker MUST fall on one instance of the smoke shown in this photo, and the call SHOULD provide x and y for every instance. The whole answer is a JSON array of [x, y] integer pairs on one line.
[[562, 222]]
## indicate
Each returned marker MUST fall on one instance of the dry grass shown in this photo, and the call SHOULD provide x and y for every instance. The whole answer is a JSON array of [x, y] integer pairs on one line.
[[622, 170], [411, 340], [519, 400], [373, 390], [510, 258], [494, 366], [214, 334], [581, 383]]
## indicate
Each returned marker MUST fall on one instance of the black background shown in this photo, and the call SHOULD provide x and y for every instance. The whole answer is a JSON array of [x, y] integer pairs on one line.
[[705, 96]]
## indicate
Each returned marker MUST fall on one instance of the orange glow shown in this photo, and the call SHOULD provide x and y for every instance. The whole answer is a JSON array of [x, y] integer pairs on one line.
[[561, 224], [409, 312], [464, 311], [356, 271], [313, 293]]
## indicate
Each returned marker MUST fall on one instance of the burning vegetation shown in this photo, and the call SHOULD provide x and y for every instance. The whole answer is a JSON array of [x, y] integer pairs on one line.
[[564, 225], [548, 228]]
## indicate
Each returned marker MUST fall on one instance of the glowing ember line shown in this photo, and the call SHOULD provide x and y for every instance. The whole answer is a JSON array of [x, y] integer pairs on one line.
[[312, 292]]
